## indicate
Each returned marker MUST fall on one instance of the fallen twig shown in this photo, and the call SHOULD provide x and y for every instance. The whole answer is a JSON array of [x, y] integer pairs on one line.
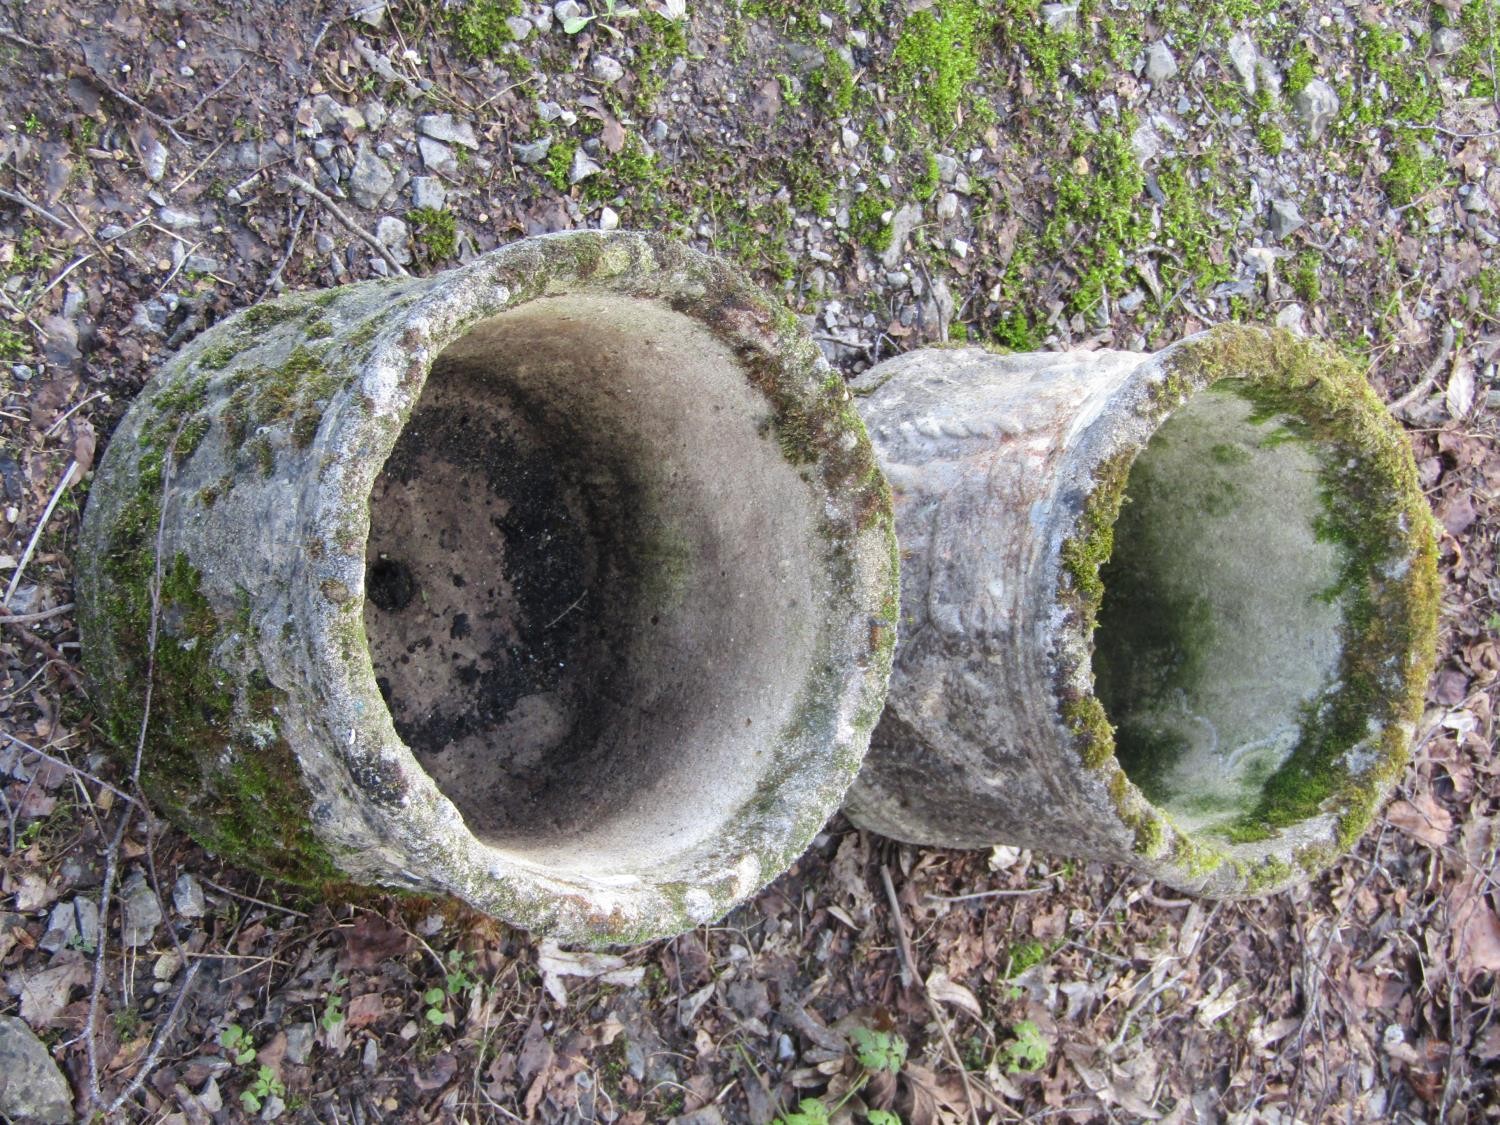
[[1429, 377], [9, 618], [354, 228], [36, 534], [36, 208]]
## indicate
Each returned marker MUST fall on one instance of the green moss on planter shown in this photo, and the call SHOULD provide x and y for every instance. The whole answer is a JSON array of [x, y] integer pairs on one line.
[[1375, 514], [1086, 719], [1086, 552], [211, 758]]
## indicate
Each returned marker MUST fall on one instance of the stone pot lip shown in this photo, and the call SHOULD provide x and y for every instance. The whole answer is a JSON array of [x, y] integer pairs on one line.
[[1390, 594], [856, 547]]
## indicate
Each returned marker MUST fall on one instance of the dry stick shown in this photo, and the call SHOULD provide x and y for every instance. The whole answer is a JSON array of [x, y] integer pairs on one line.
[[291, 244], [158, 1041], [9, 618], [28, 748], [53, 655], [354, 228], [15, 579], [1429, 377], [21, 201], [909, 972]]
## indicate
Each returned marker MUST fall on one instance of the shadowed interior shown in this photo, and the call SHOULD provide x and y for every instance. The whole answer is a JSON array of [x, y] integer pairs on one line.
[[1218, 636], [581, 601]]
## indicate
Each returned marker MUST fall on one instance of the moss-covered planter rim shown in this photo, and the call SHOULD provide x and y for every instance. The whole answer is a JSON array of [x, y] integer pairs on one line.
[[1327, 792]]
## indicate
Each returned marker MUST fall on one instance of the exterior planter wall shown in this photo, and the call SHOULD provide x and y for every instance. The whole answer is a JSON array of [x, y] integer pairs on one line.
[[1176, 611], [563, 583]]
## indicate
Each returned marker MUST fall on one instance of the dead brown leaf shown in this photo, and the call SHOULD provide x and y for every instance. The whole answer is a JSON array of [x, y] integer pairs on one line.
[[372, 940], [1422, 818]]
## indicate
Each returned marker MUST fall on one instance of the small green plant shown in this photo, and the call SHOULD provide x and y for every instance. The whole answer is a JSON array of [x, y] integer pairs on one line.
[[925, 186], [1023, 956], [32, 124], [435, 231], [333, 1007], [1305, 281], [12, 344], [612, 10], [877, 1052], [458, 981], [236, 1040], [265, 1085], [240, 1047], [1027, 1050], [479, 26], [867, 222]]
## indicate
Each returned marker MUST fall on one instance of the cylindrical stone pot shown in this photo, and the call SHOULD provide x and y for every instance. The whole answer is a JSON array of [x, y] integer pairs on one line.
[[1175, 610], [563, 583]]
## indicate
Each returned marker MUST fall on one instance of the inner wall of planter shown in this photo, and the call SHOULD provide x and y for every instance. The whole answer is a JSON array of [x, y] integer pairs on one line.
[[588, 592], [1217, 633]]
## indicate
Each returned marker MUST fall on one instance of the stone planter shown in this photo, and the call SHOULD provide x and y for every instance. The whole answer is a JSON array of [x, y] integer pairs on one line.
[[563, 583], [1175, 611]]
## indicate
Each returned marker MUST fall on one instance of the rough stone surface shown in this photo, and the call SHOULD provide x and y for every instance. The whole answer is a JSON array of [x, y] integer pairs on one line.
[[1317, 104], [1160, 65], [438, 157], [187, 897], [32, 1089], [448, 129], [1285, 218], [985, 739], [754, 608], [1243, 57], [370, 179], [428, 191], [142, 911]]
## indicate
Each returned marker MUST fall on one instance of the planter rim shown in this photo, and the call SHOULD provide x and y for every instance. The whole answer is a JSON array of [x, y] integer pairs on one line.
[[1326, 794]]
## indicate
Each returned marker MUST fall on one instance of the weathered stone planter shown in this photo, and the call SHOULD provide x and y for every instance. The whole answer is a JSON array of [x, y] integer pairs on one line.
[[563, 583], [1175, 611]]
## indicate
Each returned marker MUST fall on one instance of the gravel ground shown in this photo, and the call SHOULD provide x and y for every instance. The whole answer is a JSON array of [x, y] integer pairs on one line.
[[1035, 176]]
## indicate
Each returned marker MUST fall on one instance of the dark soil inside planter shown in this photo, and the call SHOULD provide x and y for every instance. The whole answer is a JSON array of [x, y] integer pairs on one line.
[[484, 556]]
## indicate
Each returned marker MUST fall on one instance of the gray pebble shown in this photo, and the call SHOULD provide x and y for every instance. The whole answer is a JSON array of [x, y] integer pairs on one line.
[[437, 156], [519, 28], [175, 219], [187, 895], [154, 160], [34, 1089], [395, 236], [142, 911], [1160, 65], [448, 129], [534, 152], [370, 179], [1316, 104], [299, 1043], [582, 167], [428, 191], [1447, 41], [1285, 218], [607, 68], [1242, 58]]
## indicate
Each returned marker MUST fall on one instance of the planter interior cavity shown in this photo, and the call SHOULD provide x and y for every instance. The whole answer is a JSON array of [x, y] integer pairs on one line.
[[1219, 629], [582, 626]]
